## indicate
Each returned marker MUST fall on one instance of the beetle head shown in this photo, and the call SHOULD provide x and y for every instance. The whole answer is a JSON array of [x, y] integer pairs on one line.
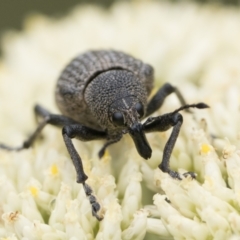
[[126, 113], [117, 98]]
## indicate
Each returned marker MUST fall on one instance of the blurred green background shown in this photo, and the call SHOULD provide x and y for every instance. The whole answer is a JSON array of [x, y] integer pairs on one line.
[[12, 12]]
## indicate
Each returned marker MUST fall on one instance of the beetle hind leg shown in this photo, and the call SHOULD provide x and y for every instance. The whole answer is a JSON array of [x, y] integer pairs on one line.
[[157, 100]]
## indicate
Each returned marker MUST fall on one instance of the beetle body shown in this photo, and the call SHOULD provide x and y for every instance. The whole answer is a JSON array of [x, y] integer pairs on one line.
[[103, 95], [94, 81]]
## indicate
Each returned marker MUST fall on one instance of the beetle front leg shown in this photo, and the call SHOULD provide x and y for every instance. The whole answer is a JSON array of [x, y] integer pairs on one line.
[[85, 134], [163, 123], [108, 143], [157, 100]]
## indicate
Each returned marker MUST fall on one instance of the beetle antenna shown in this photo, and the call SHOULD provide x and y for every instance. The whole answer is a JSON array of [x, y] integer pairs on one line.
[[198, 105]]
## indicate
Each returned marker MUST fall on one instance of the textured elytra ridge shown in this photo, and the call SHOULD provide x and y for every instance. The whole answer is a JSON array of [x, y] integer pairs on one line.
[[70, 92]]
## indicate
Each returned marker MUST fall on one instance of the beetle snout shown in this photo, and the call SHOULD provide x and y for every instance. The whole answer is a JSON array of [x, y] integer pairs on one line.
[[140, 140]]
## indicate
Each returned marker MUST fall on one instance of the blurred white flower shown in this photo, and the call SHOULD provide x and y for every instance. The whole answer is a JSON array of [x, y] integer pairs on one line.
[[197, 49]]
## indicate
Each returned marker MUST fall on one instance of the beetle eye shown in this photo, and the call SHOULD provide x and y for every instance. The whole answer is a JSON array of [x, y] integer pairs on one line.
[[118, 118], [139, 108]]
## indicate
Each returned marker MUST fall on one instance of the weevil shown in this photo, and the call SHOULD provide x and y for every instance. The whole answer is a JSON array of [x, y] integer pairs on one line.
[[104, 95]]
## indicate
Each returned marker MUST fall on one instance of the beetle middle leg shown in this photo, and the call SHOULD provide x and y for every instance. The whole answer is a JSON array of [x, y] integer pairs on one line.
[[47, 118], [157, 100]]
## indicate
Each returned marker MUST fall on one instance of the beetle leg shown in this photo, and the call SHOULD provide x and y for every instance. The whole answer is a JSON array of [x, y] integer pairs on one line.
[[109, 142], [48, 118], [40, 111], [163, 123], [27, 143], [53, 119], [84, 134], [157, 100], [71, 129]]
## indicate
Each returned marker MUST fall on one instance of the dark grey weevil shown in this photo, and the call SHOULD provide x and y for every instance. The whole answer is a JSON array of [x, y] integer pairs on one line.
[[103, 95]]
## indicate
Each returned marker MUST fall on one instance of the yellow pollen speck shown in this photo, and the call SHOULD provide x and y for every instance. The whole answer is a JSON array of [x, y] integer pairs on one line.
[[34, 191], [205, 148], [54, 169]]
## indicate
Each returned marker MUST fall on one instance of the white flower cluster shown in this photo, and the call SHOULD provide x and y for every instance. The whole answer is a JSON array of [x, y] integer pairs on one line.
[[197, 49]]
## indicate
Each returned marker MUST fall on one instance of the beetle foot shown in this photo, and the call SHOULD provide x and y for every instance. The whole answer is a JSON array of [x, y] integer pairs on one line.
[[174, 174], [193, 175], [96, 207]]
